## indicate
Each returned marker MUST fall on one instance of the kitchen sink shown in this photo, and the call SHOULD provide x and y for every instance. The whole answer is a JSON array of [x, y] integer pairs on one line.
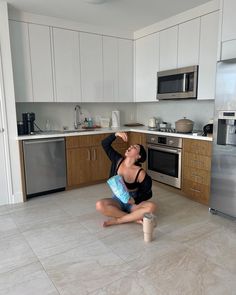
[[53, 132]]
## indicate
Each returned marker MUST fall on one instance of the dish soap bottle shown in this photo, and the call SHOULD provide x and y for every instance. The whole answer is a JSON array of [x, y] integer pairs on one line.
[[86, 123], [90, 123]]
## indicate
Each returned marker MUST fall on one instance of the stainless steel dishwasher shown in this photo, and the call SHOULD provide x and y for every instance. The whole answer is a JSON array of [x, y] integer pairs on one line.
[[45, 166]]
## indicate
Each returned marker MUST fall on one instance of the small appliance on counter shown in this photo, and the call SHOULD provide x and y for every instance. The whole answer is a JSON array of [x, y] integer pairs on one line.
[[208, 129], [115, 118], [20, 128], [28, 124], [153, 124]]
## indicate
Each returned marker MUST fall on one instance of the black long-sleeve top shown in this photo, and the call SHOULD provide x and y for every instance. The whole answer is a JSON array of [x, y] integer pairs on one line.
[[144, 191]]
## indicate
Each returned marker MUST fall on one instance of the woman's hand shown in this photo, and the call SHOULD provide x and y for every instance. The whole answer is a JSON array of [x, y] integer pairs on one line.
[[131, 201], [122, 135]]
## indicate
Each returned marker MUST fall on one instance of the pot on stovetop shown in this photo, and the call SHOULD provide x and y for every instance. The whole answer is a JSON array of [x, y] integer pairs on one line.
[[184, 125]]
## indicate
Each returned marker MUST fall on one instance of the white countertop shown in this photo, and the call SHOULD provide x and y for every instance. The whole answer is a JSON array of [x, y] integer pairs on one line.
[[143, 129]]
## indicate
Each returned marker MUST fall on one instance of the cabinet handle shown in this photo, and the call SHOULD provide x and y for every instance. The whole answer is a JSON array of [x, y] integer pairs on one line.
[[94, 155], [89, 156], [195, 190]]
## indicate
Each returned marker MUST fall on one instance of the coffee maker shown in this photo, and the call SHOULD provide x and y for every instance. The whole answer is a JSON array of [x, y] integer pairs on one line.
[[28, 122]]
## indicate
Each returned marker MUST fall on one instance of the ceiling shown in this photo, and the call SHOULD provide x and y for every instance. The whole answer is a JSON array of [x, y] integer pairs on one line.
[[119, 14]]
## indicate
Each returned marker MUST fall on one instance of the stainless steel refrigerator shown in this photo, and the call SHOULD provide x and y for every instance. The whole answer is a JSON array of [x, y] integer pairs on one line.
[[223, 179]]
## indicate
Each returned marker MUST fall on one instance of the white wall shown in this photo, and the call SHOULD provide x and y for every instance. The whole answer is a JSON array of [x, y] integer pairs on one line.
[[11, 130], [170, 111], [62, 114]]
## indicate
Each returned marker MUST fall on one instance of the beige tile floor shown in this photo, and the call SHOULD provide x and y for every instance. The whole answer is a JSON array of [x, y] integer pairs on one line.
[[56, 245]]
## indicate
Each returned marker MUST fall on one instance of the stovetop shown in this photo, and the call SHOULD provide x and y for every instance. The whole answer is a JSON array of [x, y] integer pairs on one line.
[[172, 130]]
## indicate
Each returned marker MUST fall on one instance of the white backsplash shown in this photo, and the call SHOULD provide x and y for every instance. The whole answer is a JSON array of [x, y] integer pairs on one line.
[[62, 114], [170, 111]]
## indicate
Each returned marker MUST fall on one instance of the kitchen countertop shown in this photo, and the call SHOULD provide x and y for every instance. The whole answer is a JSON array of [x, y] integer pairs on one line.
[[143, 129]]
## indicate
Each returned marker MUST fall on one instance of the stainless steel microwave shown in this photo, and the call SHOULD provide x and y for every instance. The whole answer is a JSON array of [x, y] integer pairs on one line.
[[178, 83]]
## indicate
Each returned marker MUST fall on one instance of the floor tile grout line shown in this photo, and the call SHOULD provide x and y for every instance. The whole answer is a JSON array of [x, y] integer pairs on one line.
[[19, 267], [38, 260], [48, 276]]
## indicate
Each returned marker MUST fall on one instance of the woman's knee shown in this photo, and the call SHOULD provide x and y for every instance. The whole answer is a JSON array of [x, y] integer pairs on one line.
[[151, 207], [100, 205]]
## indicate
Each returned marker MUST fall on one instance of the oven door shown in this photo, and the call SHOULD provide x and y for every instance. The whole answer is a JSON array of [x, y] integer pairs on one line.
[[164, 164]]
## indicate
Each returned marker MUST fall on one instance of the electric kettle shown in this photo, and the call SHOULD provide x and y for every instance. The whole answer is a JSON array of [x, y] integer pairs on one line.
[[153, 123], [115, 118]]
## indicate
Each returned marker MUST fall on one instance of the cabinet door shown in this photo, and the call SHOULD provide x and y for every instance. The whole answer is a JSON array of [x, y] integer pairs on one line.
[[229, 20], [110, 68], [168, 48], [66, 65], [78, 166], [21, 61], [188, 43], [100, 164], [41, 62], [125, 66], [140, 138], [91, 67], [208, 55], [137, 137], [196, 170], [146, 67]]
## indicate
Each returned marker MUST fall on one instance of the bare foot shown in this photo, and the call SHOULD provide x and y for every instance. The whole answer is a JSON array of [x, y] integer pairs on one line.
[[140, 221], [110, 222]]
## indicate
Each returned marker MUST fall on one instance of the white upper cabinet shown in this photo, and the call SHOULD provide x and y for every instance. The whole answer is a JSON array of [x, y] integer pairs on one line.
[[188, 43], [125, 70], [110, 69], [146, 67], [91, 67], [228, 50], [21, 61], [229, 20], [66, 65], [208, 55], [41, 62], [168, 48]]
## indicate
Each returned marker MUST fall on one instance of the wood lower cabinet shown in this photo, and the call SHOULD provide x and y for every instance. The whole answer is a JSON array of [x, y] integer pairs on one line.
[[196, 169], [137, 137], [78, 166], [87, 163], [140, 138]]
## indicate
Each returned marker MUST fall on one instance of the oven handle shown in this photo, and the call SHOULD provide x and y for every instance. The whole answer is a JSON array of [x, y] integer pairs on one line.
[[164, 149]]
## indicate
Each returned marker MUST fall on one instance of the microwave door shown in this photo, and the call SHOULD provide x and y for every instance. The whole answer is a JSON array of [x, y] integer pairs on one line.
[[178, 83], [169, 87]]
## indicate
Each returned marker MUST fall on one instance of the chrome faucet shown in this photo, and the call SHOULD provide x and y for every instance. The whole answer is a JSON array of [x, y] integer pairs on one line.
[[77, 114]]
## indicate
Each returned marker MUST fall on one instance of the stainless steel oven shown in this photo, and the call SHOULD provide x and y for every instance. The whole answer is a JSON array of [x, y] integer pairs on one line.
[[164, 159]]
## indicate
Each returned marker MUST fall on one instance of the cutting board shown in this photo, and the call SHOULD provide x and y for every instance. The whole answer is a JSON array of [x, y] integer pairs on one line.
[[133, 125]]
